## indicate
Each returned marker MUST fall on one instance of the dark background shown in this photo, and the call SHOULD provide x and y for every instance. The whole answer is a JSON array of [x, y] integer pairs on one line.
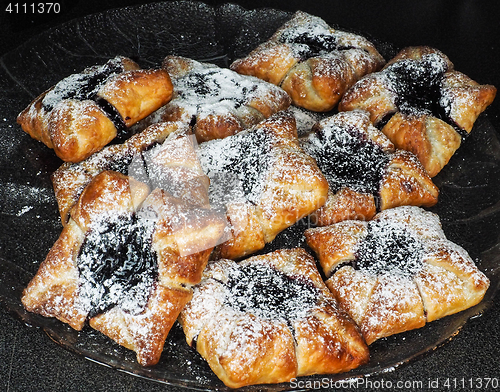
[[467, 31]]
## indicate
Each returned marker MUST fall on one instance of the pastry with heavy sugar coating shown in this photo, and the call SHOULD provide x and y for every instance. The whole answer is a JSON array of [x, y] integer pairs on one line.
[[85, 111], [268, 319], [313, 62], [422, 104], [217, 102], [365, 173], [263, 181], [396, 272], [125, 262]]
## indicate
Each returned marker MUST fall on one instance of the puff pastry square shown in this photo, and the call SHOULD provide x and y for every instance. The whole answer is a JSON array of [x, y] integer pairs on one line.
[[163, 156], [422, 104], [365, 172], [263, 181], [217, 102], [396, 272], [268, 319], [125, 262], [313, 62], [87, 110]]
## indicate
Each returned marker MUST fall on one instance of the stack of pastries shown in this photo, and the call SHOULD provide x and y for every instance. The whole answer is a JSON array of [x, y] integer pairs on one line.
[[170, 224]]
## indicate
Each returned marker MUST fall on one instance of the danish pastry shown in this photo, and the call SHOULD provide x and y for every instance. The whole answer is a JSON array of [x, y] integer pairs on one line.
[[163, 155], [365, 172], [268, 319], [396, 272], [126, 262], [217, 102], [263, 181], [422, 104], [85, 111], [314, 63]]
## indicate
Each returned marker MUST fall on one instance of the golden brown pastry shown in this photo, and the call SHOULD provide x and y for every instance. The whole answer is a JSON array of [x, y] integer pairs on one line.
[[396, 272], [268, 319], [126, 262], [314, 63], [217, 102], [365, 172], [422, 104], [163, 155], [263, 181], [85, 111]]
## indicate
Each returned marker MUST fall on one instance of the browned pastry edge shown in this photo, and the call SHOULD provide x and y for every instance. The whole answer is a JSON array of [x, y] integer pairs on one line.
[[316, 83], [294, 188], [404, 181], [53, 291], [243, 348], [75, 129], [432, 140], [386, 304], [70, 179], [254, 100]]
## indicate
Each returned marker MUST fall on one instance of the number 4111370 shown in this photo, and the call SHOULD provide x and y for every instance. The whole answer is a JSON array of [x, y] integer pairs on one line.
[[33, 8]]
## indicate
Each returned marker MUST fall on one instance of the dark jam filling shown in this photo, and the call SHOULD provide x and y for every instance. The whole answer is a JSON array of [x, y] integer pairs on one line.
[[117, 266], [115, 117], [418, 87], [313, 45], [85, 86], [237, 165], [82, 86], [268, 293], [348, 158], [389, 249]]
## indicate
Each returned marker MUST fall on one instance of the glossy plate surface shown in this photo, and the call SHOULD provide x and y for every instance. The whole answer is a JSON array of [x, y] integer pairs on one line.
[[469, 205]]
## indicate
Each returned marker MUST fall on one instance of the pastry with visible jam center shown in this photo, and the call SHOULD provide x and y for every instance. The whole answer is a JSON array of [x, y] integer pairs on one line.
[[85, 111], [216, 102], [268, 319], [263, 181], [313, 62], [422, 104], [125, 263], [396, 272], [365, 173]]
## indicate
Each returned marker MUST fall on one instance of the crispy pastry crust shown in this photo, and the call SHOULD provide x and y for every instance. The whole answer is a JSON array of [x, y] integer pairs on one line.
[[172, 152], [403, 181], [384, 303], [76, 123], [216, 102], [432, 137], [244, 348], [315, 80], [290, 187], [183, 239]]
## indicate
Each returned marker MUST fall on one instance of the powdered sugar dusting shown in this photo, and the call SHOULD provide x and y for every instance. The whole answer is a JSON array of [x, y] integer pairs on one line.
[[84, 85], [237, 166]]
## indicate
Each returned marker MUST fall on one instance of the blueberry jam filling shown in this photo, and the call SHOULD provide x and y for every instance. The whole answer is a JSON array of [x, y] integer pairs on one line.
[[389, 249], [347, 158], [82, 86], [418, 86], [268, 293], [85, 86], [236, 166], [309, 44], [115, 117], [117, 266]]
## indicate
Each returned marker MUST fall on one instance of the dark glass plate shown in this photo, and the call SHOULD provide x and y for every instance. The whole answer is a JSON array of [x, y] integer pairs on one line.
[[469, 202]]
